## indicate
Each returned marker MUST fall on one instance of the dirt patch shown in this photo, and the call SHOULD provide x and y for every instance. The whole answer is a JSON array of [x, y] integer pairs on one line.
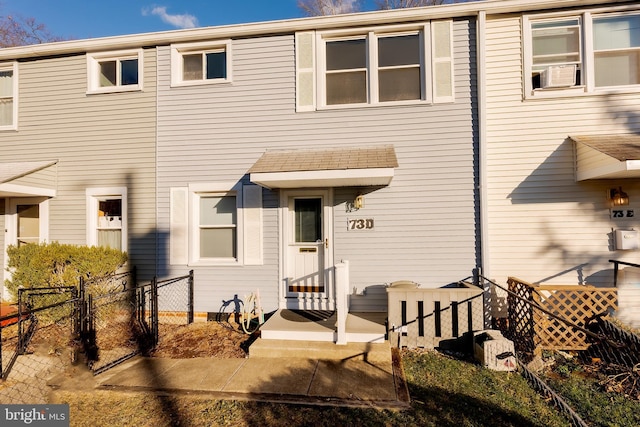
[[207, 339]]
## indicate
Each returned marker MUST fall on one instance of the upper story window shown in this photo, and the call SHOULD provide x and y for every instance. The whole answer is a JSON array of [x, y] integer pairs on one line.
[[8, 96], [616, 50], [378, 66], [397, 71], [115, 71], [200, 63], [582, 53]]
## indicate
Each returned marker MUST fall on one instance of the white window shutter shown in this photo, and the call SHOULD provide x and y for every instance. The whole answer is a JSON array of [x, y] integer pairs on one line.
[[442, 60], [252, 224], [178, 229], [305, 71]]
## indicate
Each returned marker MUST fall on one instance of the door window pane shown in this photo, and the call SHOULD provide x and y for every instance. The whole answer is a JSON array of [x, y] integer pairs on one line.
[[308, 220], [28, 224]]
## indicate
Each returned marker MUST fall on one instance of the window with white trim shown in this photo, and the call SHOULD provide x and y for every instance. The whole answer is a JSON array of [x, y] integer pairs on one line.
[[376, 66], [106, 217], [114, 71], [582, 53], [216, 224], [200, 63], [8, 96]]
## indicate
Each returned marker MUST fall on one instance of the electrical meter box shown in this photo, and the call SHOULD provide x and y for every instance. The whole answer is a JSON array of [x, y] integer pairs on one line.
[[627, 240]]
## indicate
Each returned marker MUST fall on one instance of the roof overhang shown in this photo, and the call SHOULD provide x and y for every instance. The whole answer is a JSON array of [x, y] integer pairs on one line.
[[607, 156], [11, 185], [339, 167], [403, 15]]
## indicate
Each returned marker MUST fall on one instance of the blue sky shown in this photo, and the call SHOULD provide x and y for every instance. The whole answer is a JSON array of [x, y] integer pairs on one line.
[[80, 19]]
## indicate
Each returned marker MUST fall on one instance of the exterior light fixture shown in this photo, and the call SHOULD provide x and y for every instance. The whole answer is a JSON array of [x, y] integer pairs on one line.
[[358, 203], [617, 197]]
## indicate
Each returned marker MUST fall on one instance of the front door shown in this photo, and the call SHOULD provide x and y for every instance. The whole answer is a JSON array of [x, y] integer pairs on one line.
[[26, 221], [308, 277]]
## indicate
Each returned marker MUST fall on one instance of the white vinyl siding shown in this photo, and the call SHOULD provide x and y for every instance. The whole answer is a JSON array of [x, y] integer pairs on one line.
[[425, 221], [97, 143], [542, 225]]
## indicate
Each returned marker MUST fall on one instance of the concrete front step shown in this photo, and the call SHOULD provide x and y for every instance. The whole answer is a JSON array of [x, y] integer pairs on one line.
[[271, 348], [321, 326]]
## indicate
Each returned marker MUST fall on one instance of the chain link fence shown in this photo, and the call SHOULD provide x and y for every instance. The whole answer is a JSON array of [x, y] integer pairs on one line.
[[104, 322], [38, 342]]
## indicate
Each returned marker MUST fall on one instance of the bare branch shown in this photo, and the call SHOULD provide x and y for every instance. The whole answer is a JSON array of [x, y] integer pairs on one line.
[[19, 31], [329, 7], [402, 4]]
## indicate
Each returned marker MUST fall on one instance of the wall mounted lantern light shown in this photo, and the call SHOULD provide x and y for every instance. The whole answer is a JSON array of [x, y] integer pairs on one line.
[[617, 197]]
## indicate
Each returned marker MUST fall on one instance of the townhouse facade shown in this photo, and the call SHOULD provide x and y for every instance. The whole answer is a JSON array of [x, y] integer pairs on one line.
[[419, 144]]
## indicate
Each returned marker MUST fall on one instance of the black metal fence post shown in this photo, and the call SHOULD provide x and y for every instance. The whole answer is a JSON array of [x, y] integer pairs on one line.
[[20, 325], [191, 304], [154, 311]]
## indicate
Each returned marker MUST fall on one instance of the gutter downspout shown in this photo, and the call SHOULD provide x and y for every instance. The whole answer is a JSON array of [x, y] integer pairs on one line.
[[482, 150]]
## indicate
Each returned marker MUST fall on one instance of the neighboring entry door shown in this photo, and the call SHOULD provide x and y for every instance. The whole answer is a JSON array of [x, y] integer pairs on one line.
[[308, 275]]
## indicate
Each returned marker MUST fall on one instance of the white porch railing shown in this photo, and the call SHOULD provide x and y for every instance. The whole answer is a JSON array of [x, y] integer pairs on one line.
[[342, 301], [420, 317]]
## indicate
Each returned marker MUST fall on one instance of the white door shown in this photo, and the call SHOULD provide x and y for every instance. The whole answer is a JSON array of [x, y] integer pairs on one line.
[[26, 221], [308, 275]]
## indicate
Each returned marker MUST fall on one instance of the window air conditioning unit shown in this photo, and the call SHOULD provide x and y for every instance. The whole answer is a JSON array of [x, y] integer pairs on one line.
[[559, 76]]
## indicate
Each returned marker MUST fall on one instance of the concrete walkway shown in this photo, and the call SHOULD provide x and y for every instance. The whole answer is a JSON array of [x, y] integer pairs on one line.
[[353, 381]]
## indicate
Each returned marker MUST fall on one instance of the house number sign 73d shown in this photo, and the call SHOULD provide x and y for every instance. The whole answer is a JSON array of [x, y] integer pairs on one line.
[[360, 224]]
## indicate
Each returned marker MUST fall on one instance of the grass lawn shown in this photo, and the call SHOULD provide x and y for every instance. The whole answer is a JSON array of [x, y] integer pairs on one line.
[[444, 392]]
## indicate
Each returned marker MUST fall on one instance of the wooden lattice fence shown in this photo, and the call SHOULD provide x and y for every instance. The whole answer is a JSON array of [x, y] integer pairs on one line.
[[542, 317]]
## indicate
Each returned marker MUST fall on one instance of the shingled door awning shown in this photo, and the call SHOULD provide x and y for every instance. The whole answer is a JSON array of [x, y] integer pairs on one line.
[[331, 167], [607, 156], [26, 179]]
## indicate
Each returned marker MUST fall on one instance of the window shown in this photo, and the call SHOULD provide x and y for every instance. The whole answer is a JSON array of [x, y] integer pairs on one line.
[[216, 224], [555, 44], [582, 53], [616, 50], [115, 71], [376, 66], [106, 218], [200, 63], [8, 92]]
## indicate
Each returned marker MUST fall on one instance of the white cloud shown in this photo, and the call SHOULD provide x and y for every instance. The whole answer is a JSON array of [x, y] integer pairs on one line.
[[178, 21]]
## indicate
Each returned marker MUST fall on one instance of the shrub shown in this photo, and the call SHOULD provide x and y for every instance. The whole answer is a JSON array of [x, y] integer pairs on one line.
[[57, 265]]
